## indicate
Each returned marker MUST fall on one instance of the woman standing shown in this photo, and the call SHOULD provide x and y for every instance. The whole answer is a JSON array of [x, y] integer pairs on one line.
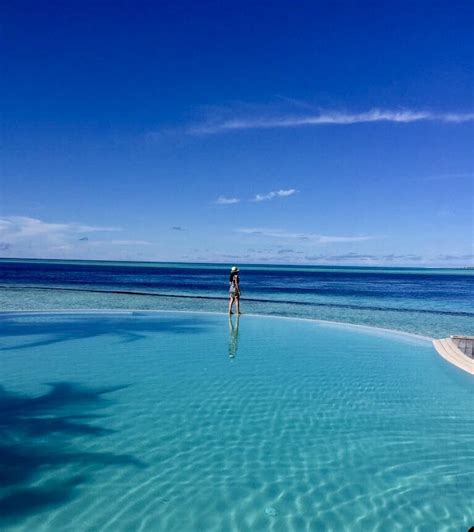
[[234, 289]]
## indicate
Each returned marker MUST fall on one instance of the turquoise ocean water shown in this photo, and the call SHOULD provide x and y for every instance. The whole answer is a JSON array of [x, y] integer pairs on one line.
[[172, 417], [432, 302]]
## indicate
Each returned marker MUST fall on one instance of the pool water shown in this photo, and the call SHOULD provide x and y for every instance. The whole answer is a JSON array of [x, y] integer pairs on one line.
[[186, 421]]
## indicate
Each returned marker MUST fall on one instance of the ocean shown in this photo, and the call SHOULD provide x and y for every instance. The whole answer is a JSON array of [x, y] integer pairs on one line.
[[429, 302]]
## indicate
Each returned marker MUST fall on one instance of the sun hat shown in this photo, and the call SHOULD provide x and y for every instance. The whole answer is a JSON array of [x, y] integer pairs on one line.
[[234, 269]]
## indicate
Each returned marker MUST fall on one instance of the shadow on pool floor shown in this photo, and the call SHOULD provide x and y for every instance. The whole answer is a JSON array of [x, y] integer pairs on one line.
[[38, 435], [70, 327]]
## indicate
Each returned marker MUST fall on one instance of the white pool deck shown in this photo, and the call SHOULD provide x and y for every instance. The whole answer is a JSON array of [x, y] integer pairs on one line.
[[457, 350]]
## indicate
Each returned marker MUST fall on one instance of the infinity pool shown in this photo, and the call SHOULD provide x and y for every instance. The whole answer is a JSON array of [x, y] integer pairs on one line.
[[181, 421]]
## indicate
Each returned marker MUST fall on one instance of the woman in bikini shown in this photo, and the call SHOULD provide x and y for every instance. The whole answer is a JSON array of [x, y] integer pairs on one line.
[[234, 289]]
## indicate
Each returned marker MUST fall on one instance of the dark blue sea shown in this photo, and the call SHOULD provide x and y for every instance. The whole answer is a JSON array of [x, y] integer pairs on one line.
[[431, 302]]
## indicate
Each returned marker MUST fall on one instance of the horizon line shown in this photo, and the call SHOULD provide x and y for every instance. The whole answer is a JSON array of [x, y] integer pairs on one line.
[[301, 265]]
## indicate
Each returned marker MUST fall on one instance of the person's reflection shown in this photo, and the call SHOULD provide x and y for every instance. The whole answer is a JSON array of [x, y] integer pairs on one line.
[[234, 336]]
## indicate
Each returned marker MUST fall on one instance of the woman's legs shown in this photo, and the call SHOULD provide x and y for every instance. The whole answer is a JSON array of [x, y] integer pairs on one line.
[[231, 302], [238, 304]]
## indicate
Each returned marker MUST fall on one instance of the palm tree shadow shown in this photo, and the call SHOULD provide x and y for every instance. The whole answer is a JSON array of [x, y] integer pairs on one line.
[[38, 499], [63, 328], [41, 436]]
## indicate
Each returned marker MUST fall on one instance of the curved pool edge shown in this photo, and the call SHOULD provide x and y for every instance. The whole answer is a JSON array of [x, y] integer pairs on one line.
[[337, 324], [447, 350]]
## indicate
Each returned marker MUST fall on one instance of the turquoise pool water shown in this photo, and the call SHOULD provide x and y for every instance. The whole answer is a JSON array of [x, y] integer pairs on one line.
[[184, 421]]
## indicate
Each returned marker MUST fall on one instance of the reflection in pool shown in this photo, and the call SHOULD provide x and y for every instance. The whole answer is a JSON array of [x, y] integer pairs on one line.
[[181, 421]]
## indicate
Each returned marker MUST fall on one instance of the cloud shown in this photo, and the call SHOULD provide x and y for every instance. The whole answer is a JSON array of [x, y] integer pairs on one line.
[[316, 238], [468, 256], [22, 227], [265, 121], [222, 200], [326, 239], [22, 236], [359, 257], [35, 237], [275, 194], [129, 242], [273, 233], [409, 257], [341, 257], [178, 228]]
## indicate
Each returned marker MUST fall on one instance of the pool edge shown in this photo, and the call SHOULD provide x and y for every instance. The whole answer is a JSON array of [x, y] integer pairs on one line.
[[340, 324]]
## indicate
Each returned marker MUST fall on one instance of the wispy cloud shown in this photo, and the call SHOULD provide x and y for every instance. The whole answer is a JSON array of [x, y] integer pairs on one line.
[[222, 200], [275, 194], [467, 257], [316, 238], [121, 242], [273, 233], [22, 236], [327, 239], [16, 228], [130, 242], [32, 237], [265, 121], [364, 258]]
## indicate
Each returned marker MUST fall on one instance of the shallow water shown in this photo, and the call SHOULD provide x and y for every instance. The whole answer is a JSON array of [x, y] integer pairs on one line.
[[436, 303], [180, 421]]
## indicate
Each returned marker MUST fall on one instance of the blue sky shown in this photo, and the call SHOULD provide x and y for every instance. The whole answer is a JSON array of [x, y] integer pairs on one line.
[[316, 132]]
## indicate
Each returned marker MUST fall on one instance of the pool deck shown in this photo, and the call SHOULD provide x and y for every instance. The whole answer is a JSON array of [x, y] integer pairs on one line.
[[457, 350]]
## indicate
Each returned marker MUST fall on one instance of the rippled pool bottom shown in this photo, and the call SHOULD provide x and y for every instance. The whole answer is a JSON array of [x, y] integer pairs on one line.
[[180, 421]]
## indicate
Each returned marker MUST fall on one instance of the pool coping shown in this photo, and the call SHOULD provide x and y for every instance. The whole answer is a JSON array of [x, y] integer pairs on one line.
[[446, 348]]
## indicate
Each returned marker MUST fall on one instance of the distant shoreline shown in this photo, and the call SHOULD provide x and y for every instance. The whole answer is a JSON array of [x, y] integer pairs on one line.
[[249, 266]]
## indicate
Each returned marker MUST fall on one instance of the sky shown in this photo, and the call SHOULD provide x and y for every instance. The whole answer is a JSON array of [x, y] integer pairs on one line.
[[316, 132]]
